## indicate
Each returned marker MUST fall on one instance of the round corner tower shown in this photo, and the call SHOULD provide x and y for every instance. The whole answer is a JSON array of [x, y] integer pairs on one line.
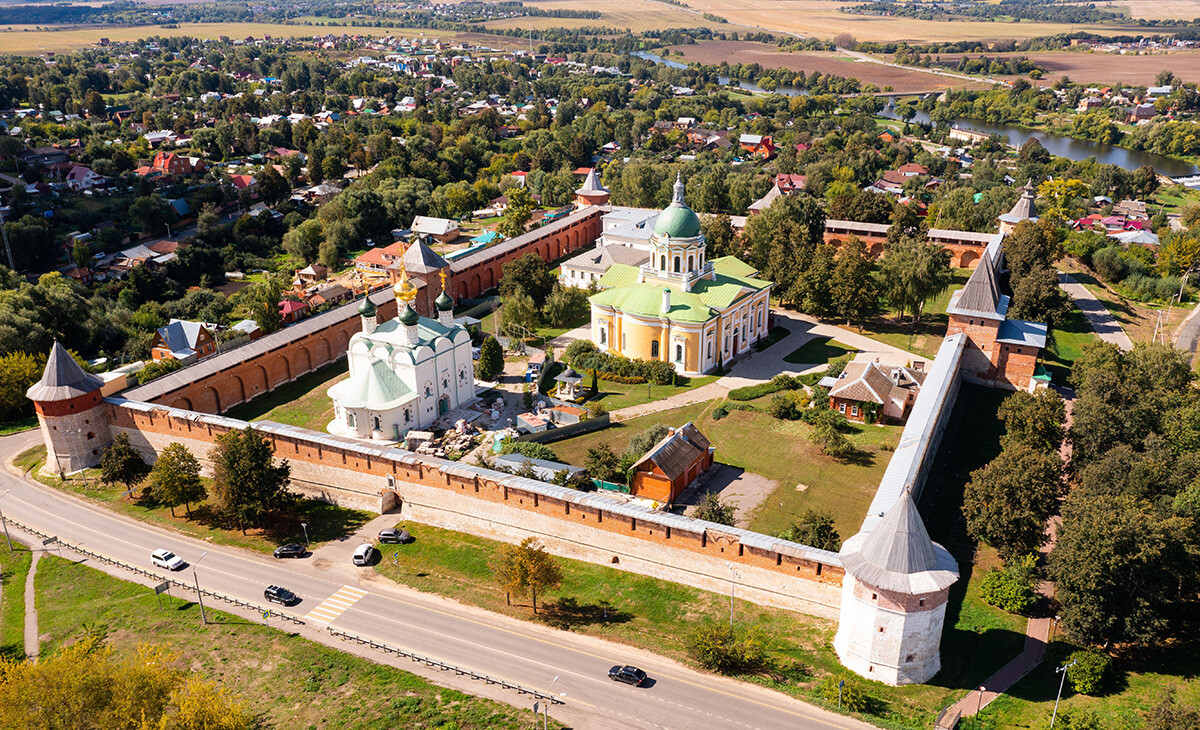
[[592, 192], [70, 410], [894, 598]]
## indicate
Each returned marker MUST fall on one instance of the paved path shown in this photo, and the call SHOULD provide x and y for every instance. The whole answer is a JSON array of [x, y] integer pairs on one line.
[[1187, 337], [500, 646], [33, 647], [1101, 320]]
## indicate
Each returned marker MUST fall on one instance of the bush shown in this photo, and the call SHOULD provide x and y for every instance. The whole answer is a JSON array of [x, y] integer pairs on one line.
[[1110, 264], [616, 368], [723, 410], [1008, 589], [854, 692], [783, 381], [712, 509], [815, 529], [1087, 676], [788, 406], [157, 369], [577, 349], [718, 648], [614, 378], [528, 449]]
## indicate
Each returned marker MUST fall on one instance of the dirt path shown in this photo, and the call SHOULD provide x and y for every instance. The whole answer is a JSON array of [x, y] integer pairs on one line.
[[32, 645]]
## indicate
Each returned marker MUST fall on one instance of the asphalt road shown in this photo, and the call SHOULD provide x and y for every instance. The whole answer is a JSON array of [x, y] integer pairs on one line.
[[527, 654]]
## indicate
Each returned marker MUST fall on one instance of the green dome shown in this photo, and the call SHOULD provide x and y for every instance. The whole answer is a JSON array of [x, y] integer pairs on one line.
[[444, 302], [366, 307], [409, 316], [677, 222]]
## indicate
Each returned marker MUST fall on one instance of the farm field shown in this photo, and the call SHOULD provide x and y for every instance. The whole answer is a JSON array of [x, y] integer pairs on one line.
[[1104, 67], [1167, 9], [636, 15], [837, 63], [28, 40]]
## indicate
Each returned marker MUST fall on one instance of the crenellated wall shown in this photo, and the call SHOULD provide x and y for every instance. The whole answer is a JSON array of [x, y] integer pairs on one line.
[[587, 526]]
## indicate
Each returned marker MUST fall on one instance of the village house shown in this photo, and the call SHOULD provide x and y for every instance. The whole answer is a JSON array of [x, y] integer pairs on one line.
[[442, 230], [184, 341], [757, 144], [672, 465], [868, 392]]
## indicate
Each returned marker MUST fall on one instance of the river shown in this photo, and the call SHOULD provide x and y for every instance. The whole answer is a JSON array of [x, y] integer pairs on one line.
[[1068, 147]]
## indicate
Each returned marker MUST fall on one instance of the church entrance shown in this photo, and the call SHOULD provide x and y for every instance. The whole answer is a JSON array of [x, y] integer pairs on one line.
[[443, 405], [735, 343]]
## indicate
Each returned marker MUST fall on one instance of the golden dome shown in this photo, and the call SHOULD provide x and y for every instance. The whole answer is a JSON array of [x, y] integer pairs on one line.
[[404, 289]]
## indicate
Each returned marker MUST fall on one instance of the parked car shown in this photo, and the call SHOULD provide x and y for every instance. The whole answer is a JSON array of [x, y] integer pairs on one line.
[[291, 550], [364, 554], [167, 559], [394, 535], [280, 595], [628, 675]]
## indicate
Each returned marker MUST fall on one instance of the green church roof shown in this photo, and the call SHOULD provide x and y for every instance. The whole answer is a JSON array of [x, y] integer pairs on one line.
[[707, 297], [677, 220]]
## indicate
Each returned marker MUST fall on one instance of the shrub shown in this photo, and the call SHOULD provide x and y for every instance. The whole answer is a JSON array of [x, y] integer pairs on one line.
[[854, 693], [530, 449], [1109, 264], [644, 441], [783, 381], [720, 412], [718, 648], [1007, 591], [1087, 675], [712, 509], [723, 410], [157, 369], [614, 367], [577, 349], [814, 529]]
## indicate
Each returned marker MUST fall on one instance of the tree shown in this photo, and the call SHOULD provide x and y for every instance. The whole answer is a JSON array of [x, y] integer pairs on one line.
[[246, 481], [95, 104], [782, 242], [827, 427], [121, 464], [907, 224], [491, 360], [1034, 419], [175, 478], [719, 235], [530, 274], [566, 305], [712, 509], [18, 371], [520, 314], [603, 463], [81, 255], [1011, 588], [912, 272], [264, 298], [517, 213], [853, 291], [150, 213], [271, 186], [815, 529], [86, 684], [1037, 297], [304, 241], [718, 648], [1063, 195], [525, 568], [641, 443], [1007, 502]]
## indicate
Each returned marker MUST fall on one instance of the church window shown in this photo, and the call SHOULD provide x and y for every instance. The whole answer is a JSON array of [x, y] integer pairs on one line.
[[760, 313], [654, 349], [710, 347], [350, 420], [462, 375], [874, 596], [691, 264], [603, 335], [445, 383], [678, 353], [1018, 351], [662, 263], [407, 415], [622, 340], [881, 629], [676, 264], [428, 390], [378, 425]]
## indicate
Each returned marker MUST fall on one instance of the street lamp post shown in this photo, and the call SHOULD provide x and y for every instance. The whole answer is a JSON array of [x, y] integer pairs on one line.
[[732, 588], [199, 595], [304, 525], [5, 523], [1063, 671], [546, 704]]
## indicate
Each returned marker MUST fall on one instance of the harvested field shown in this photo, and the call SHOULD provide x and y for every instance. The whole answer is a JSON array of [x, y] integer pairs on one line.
[[837, 63], [636, 15], [1106, 68], [1151, 9], [26, 40]]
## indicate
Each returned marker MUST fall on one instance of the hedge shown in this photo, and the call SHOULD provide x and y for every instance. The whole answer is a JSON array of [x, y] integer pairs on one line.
[[585, 358], [780, 382]]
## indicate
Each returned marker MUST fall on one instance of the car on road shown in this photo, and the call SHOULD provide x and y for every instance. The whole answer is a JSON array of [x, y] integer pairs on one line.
[[363, 554], [394, 535], [167, 559], [280, 595], [291, 550], [628, 675]]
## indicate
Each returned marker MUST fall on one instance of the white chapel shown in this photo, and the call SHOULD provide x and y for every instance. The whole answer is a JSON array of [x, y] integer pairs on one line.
[[405, 373]]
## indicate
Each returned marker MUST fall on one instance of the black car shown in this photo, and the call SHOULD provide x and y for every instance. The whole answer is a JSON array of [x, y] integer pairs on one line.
[[280, 595], [292, 550], [628, 675], [393, 535]]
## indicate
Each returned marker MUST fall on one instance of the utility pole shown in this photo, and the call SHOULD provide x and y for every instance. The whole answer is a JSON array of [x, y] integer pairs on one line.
[[5, 523], [1063, 672], [4, 231], [199, 595], [304, 525]]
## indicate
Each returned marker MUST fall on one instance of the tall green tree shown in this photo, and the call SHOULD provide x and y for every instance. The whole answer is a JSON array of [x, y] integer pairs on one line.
[[853, 292], [263, 299], [516, 215], [912, 272], [782, 242], [1037, 420], [246, 480], [120, 464], [1007, 502], [175, 478], [530, 274], [491, 360]]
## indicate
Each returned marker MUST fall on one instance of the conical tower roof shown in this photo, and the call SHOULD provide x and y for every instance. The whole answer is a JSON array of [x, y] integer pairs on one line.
[[898, 555], [591, 185], [419, 258], [62, 379], [1024, 209], [982, 292]]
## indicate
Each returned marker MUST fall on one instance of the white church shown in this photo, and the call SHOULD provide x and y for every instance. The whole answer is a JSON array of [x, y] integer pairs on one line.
[[405, 373]]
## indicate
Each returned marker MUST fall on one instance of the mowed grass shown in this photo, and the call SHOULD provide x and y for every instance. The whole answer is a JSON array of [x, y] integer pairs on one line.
[[1067, 345], [14, 567], [818, 351], [926, 337], [289, 681], [304, 402], [622, 395], [778, 450], [325, 521]]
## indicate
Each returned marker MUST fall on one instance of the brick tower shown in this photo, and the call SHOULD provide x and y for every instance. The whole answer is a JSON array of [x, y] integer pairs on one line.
[[71, 414], [592, 192], [894, 599]]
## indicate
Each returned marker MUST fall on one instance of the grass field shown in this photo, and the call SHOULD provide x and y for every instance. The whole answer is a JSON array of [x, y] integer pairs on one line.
[[289, 681], [818, 351], [636, 15], [926, 337], [303, 402], [325, 521], [1107, 68], [778, 450], [623, 395], [14, 566], [19, 425], [1067, 344]]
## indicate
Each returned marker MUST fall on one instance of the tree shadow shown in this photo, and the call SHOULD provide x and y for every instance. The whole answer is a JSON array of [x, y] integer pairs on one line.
[[855, 456], [567, 613]]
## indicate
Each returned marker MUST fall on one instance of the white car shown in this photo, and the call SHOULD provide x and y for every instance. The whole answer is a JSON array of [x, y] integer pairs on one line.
[[363, 554], [166, 559]]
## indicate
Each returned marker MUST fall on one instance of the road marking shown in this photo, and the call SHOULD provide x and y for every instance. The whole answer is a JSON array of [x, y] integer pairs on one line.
[[336, 605]]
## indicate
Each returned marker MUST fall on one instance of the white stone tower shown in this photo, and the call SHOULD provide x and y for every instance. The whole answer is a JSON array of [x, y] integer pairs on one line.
[[894, 599], [70, 412]]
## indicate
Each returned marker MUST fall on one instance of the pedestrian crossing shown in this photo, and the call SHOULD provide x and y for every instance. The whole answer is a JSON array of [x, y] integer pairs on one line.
[[336, 605]]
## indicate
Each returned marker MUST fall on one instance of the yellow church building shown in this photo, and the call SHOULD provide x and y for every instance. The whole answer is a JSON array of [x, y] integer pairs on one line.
[[680, 306]]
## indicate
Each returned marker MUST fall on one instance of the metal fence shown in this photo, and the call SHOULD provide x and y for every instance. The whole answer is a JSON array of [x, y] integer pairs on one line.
[[151, 574], [364, 641]]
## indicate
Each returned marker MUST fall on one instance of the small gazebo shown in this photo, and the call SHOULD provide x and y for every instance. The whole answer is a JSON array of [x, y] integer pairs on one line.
[[569, 381]]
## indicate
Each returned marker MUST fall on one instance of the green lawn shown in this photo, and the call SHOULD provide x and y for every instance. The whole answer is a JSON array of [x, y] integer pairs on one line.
[[302, 402], [1067, 344], [926, 337], [778, 450], [289, 681], [623, 395], [19, 425], [1174, 198], [822, 350], [14, 566], [325, 521]]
